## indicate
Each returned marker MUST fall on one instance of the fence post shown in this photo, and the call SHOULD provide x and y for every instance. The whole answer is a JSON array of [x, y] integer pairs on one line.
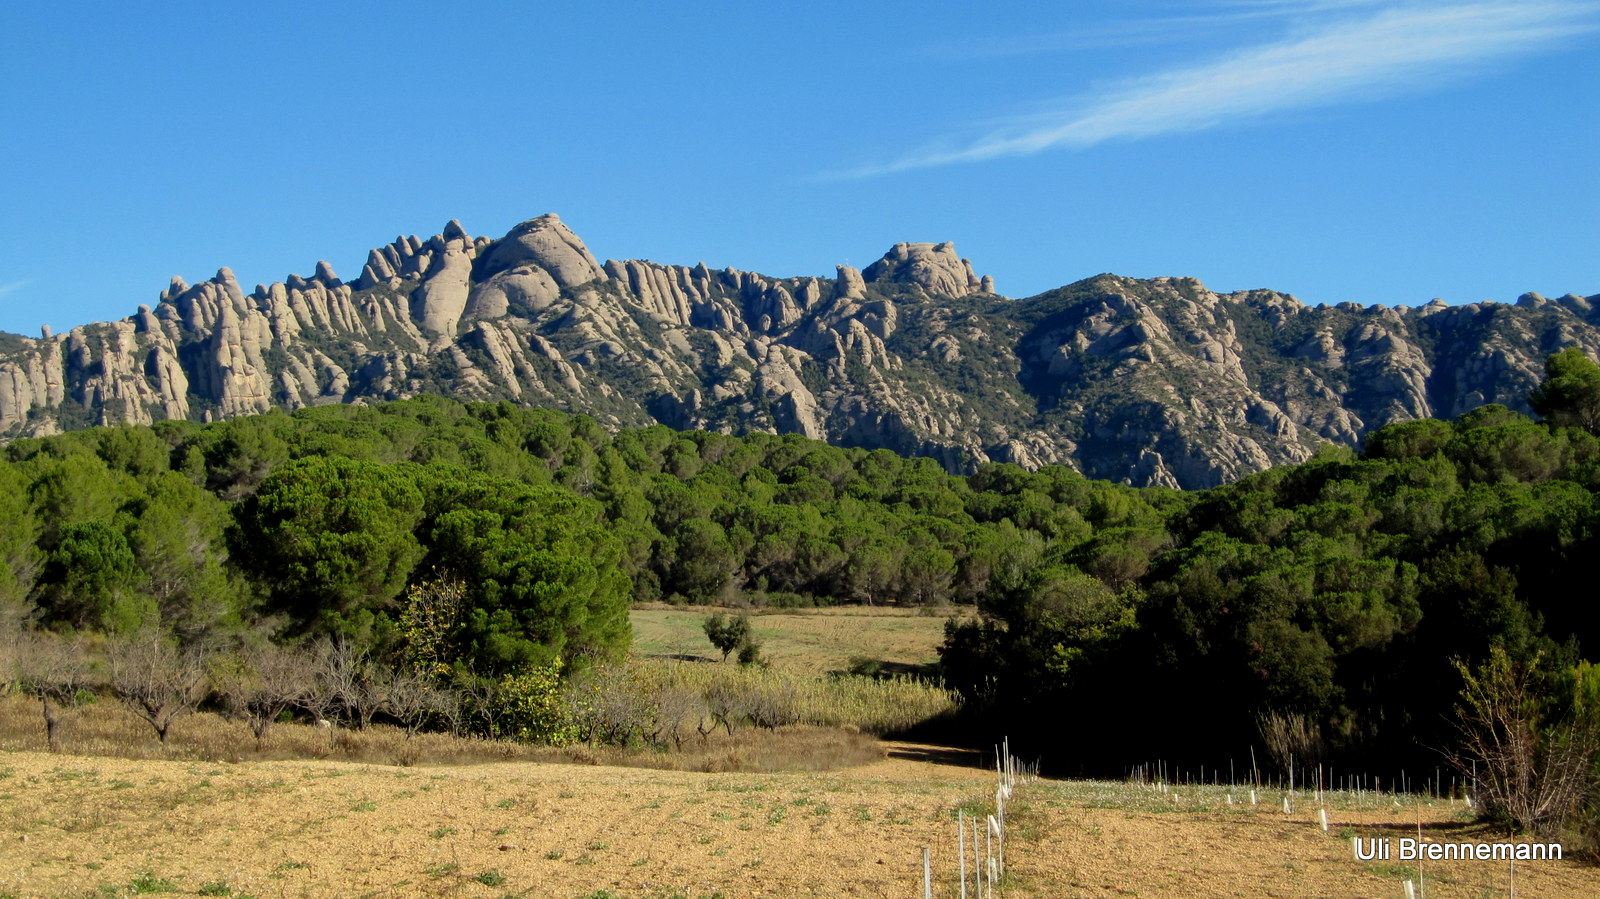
[[1000, 837], [988, 852], [961, 842], [977, 868], [927, 875]]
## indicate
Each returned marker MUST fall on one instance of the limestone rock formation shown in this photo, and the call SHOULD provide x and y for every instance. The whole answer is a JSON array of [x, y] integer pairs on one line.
[[1157, 381]]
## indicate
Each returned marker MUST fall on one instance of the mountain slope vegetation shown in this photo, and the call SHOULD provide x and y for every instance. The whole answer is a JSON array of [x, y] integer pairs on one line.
[[1338, 590]]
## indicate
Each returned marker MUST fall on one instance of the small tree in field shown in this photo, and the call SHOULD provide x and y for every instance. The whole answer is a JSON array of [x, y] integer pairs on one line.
[[258, 683], [750, 651], [728, 634], [54, 671], [155, 678]]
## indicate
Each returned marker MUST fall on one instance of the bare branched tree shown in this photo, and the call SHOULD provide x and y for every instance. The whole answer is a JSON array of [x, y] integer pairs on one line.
[[53, 670], [156, 678], [606, 707], [480, 708], [677, 709], [369, 693], [347, 686], [260, 682], [415, 699], [774, 705], [1532, 772], [317, 699], [725, 705]]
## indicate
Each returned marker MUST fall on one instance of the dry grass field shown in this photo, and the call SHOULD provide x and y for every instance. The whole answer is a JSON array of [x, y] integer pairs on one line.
[[815, 641], [806, 811], [95, 827]]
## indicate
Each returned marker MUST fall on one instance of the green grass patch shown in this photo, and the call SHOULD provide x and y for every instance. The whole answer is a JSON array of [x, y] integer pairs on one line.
[[149, 883]]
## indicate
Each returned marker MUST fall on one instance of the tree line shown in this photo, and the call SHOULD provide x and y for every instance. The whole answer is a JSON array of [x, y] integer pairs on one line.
[[1113, 622], [316, 522]]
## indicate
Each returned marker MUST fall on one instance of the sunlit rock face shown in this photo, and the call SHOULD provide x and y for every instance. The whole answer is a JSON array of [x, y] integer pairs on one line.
[[1150, 382]]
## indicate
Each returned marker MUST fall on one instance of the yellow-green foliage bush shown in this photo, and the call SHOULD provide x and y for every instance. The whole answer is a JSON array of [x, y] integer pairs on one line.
[[527, 706], [532, 706]]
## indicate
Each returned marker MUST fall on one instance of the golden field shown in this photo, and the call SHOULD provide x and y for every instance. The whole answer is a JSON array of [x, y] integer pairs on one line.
[[796, 811]]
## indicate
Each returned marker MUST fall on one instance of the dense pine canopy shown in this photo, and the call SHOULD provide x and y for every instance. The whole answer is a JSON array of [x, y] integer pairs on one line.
[[1117, 622]]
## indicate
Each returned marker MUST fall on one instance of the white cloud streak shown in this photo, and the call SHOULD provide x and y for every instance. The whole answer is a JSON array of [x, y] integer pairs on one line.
[[8, 289], [1398, 49], [1220, 17]]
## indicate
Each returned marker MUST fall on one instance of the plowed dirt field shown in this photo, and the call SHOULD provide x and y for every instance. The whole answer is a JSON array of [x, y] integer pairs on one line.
[[77, 826]]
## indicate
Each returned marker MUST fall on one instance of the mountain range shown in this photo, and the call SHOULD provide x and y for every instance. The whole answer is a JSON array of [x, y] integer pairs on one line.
[[1145, 381]]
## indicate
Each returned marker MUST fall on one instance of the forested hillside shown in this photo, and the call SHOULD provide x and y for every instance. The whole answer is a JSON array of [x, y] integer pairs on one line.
[[317, 520], [1117, 622]]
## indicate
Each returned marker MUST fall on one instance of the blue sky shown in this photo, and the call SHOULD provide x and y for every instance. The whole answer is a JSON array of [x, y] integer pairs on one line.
[[1380, 152]]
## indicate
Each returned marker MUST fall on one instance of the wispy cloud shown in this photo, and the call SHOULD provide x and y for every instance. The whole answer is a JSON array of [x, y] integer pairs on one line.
[[1357, 54], [8, 289], [1211, 19]]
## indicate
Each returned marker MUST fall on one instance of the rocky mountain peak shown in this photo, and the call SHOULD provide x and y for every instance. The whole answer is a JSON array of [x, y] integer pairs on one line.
[[849, 283], [934, 267], [547, 242], [1147, 381]]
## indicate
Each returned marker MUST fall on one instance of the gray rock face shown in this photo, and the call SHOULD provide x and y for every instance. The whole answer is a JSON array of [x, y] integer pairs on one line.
[[934, 267], [850, 283], [1154, 381], [438, 304], [549, 244], [526, 286]]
